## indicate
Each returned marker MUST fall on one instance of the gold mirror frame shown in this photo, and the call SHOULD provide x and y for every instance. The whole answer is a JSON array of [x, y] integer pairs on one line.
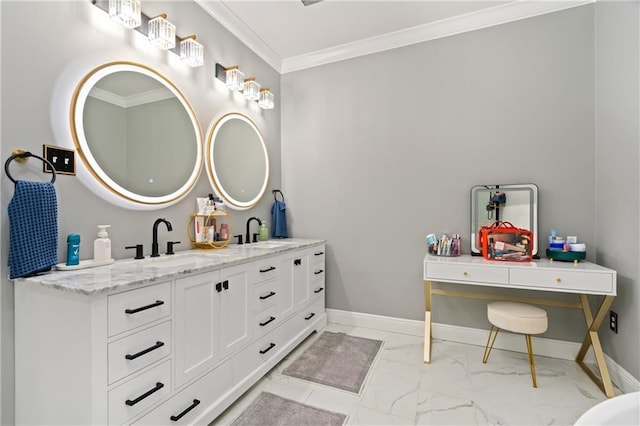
[[94, 176], [242, 155]]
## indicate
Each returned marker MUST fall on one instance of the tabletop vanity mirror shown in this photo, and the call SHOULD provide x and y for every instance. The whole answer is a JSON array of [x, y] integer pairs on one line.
[[136, 135], [237, 160], [517, 204]]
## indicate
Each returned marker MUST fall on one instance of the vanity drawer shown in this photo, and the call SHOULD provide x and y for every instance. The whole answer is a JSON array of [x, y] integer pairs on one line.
[[138, 307], [266, 295], [466, 273], [266, 321], [306, 317], [266, 269], [136, 395], [254, 355], [561, 280], [318, 255], [138, 350], [185, 407]]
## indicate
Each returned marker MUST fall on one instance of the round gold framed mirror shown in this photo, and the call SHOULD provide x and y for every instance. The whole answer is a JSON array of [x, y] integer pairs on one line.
[[137, 136], [237, 160]]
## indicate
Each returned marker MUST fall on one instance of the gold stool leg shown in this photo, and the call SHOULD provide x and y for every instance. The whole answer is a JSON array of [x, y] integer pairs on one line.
[[527, 338], [487, 348]]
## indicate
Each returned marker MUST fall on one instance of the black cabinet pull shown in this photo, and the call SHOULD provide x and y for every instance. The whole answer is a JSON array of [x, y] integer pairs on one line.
[[271, 268], [146, 351], [297, 262], [262, 324], [157, 387], [144, 308], [225, 284], [196, 402], [271, 293], [219, 287], [311, 315], [319, 271], [318, 290], [320, 253], [271, 346]]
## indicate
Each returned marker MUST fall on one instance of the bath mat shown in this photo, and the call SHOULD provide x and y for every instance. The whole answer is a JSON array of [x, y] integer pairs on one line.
[[337, 360], [270, 409]]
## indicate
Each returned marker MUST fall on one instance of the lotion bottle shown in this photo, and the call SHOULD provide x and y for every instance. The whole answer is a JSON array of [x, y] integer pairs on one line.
[[264, 232], [102, 245]]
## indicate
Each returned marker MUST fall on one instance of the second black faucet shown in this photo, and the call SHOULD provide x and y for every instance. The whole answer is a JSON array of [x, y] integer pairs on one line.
[[154, 245], [248, 236]]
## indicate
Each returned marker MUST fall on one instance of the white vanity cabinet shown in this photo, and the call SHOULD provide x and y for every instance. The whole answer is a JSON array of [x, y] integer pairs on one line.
[[178, 348]]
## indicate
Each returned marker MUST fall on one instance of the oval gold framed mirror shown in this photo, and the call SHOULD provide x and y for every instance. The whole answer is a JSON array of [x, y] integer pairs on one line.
[[137, 136], [237, 160]]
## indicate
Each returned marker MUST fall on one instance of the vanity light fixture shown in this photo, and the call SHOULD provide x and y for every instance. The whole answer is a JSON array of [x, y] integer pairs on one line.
[[126, 12], [191, 52], [162, 33], [234, 78], [266, 100], [251, 89]]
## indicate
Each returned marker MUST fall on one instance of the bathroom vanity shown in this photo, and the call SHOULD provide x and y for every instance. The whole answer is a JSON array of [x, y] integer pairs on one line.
[[168, 340]]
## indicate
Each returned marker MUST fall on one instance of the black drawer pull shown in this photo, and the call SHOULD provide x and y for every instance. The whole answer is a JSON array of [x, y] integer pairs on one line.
[[225, 284], [319, 271], [144, 308], [262, 324], [146, 351], [271, 293], [318, 290], [311, 315], [131, 403], [320, 253], [218, 287], [271, 346], [271, 268], [297, 262], [196, 402]]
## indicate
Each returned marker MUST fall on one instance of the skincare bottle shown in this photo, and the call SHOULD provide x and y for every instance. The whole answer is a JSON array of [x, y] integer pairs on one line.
[[73, 249], [102, 245], [224, 232], [264, 232]]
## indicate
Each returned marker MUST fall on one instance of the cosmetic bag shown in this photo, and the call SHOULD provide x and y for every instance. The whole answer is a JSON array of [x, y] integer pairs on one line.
[[503, 241]]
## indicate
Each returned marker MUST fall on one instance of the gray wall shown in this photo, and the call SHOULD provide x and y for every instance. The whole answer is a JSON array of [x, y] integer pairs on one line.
[[380, 150], [41, 41], [617, 173]]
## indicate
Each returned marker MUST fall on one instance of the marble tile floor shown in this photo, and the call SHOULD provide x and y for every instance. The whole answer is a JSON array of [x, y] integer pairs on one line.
[[456, 388]]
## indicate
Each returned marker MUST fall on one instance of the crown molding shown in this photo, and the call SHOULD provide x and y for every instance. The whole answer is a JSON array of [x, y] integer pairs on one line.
[[236, 26], [147, 97], [497, 15]]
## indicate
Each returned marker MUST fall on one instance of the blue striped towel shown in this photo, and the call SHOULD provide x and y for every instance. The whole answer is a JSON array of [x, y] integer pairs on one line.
[[279, 218], [33, 228]]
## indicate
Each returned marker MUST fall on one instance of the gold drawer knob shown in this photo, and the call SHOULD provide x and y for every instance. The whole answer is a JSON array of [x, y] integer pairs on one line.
[[558, 280], [465, 273]]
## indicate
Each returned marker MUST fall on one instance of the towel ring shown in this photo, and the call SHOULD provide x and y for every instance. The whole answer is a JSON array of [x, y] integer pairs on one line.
[[17, 154], [275, 194]]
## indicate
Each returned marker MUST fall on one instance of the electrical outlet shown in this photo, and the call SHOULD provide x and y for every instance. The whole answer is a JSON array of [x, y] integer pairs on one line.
[[63, 159], [613, 321]]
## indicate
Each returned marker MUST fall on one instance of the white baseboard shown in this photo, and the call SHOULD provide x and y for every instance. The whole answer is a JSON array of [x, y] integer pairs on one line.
[[475, 336]]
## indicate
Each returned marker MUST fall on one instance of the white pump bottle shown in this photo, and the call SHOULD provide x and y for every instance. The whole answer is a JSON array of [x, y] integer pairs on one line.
[[102, 245]]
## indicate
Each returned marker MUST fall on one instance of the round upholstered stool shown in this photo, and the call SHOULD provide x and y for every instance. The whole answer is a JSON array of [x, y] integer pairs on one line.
[[517, 318]]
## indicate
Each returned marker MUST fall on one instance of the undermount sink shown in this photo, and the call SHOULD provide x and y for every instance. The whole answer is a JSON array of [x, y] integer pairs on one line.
[[177, 260], [270, 244]]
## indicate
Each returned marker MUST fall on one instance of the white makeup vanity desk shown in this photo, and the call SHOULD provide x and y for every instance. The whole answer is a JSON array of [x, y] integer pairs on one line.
[[582, 279]]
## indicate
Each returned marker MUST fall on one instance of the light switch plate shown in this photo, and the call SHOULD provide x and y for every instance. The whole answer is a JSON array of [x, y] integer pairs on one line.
[[63, 160]]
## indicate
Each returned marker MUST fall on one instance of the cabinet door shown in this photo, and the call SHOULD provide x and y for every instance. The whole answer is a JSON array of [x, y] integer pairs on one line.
[[196, 322], [300, 279], [236, 308], [286, 305]]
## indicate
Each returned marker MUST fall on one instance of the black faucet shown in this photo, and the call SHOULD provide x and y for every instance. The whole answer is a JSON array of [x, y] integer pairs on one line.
[[154, 245], [248, 236]]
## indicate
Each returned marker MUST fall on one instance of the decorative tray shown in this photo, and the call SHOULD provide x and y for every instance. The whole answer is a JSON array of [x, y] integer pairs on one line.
[[566, 256]]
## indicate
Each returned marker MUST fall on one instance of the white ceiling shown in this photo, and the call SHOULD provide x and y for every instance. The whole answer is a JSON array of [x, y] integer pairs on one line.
[[290, 36]]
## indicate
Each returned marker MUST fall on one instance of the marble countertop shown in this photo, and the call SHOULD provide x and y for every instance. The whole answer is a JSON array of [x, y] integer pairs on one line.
[[128, 273]]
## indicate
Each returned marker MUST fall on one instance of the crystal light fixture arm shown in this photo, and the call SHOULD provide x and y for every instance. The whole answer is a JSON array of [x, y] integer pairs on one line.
[[143, 28]]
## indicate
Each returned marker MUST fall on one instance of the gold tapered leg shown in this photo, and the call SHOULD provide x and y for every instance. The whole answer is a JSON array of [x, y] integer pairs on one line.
[[527, 338], [488, 347], [427, 322]]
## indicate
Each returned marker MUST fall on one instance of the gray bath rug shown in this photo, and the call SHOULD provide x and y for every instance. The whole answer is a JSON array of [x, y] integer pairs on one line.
[[337, 360], [269, 409]]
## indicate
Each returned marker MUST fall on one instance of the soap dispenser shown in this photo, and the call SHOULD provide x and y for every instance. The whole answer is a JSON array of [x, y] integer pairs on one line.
[[264, 232], [102, 245]]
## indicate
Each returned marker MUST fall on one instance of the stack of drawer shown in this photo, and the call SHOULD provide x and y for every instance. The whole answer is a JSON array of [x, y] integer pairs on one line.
[[139, 350]]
